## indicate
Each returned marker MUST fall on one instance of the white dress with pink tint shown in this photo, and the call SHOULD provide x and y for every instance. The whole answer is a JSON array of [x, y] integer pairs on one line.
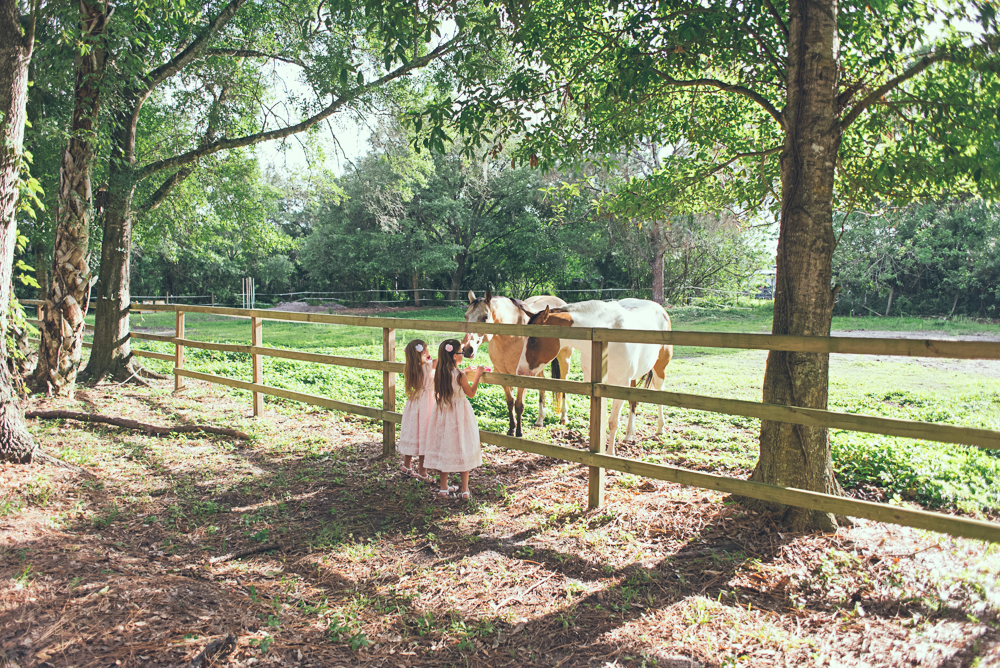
[[417, 416], [453, 438]]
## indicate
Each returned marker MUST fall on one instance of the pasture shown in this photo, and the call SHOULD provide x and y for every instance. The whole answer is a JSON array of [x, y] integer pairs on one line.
[[311, 551]]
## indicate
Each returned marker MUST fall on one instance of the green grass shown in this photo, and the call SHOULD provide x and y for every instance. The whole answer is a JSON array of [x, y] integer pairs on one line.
[[956, 392]]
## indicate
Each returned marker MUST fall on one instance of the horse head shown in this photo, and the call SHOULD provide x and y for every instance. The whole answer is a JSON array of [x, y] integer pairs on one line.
[[480, 310], [540, 351]]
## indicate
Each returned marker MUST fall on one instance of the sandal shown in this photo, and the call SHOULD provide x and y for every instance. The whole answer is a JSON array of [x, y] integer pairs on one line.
[[404, 470], [444, 494], [465, 496], [421, 478]]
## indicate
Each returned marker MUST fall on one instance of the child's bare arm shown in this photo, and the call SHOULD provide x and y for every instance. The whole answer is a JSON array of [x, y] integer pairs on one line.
[[470, 390]]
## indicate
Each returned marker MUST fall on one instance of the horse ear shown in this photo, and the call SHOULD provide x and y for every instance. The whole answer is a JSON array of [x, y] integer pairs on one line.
[[472, 296], [489, 295]]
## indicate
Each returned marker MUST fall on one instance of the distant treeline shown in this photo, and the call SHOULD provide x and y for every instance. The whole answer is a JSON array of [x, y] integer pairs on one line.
[[924, 259]]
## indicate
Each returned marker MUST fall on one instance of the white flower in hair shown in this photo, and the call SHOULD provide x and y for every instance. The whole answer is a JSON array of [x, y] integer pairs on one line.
[[449, 347], [419, 348]]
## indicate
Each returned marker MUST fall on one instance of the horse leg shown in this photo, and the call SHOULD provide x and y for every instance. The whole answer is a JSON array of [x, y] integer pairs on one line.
[[541, 406], [632, 405], [659, 376], [658, 385], [562, 399], [616, 409], [519, 409], [510, 410]]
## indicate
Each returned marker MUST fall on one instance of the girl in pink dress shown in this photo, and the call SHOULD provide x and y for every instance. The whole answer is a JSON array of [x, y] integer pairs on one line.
[[418, 377], [453, 442]]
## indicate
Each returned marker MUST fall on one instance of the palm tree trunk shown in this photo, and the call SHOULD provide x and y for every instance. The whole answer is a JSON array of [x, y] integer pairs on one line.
[[67, 299]]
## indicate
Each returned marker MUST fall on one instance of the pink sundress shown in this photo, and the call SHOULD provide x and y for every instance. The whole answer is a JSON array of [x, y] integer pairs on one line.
[[416, 416], [453, 435]]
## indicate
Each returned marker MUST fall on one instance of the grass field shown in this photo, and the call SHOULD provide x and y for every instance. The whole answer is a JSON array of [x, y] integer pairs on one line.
[[960, 392]]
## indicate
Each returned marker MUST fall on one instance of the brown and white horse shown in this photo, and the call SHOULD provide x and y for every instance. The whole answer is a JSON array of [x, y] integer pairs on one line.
[[627, 362], [505, 351]]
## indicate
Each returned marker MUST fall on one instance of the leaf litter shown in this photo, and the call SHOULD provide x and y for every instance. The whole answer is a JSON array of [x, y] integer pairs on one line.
[[310, 550]]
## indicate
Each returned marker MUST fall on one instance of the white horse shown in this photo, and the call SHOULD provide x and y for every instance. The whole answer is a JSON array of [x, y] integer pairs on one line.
[[627, 362], [505, 351]]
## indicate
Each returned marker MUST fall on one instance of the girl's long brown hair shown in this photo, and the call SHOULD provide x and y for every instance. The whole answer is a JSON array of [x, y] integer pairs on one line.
[[443, 387], [413, 372]]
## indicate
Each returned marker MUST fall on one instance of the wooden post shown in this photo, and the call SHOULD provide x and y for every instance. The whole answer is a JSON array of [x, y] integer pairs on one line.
[[257, 339], [388, 392], [179, 353], [598, 422]]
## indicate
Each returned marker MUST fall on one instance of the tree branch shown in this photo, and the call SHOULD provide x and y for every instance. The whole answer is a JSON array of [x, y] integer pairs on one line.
[[777, 17], [177, 177], [194, 49], [253, 53], [729, 88], [880, 92], [249, 140]]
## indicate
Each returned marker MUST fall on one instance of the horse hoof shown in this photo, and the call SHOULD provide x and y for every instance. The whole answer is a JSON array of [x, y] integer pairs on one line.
[[510, 432]]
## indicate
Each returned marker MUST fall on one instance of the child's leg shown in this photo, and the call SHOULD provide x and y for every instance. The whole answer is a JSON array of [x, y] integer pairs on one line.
[[443, 482], [465, 482], [406, 461], [421, 471]]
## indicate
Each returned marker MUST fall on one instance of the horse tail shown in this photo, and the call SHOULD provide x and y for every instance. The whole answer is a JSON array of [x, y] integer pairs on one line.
[[557, 397], [647, 379]]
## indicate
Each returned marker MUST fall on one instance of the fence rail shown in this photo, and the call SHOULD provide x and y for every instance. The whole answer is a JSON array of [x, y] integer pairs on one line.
[[599, 391]]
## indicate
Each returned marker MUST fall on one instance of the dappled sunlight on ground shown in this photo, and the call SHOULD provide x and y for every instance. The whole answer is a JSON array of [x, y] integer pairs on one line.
[[311, 551]]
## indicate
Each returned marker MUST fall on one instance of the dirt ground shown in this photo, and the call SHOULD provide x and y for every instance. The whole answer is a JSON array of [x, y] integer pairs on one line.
[[311, 551]]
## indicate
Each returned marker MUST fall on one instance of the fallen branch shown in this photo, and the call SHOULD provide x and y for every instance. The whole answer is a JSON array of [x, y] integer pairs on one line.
[[216, 649], [244, 553], [132, 424]]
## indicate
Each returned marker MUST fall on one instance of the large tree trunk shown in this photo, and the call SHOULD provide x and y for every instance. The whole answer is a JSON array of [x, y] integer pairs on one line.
[[68, 295], [795, 455], [16, 444], [457, 276], [111, 356]]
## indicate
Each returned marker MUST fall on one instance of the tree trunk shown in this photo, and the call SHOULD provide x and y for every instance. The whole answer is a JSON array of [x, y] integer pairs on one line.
[[659, 249], [16, 444], [889, 305], [111, 356], [68, 295], [456, 277], [795, 455], [416, 288]]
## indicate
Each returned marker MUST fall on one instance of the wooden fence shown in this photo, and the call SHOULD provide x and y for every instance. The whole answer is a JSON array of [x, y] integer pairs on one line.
[[598, 390]]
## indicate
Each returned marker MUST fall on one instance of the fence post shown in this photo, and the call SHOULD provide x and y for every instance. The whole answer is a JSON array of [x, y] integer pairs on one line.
[[179, 352], [388, 392], [598, 421], [257, 340]]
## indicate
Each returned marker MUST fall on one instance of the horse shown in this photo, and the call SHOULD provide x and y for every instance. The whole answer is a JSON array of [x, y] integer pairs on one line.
[[627, 362], [505, 351]]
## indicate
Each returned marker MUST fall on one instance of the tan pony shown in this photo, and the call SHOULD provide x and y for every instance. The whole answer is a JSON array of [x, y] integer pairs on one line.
[[505, 351]]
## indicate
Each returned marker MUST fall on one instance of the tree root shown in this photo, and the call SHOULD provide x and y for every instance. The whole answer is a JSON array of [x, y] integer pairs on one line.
[[133, 424], [40, 456]]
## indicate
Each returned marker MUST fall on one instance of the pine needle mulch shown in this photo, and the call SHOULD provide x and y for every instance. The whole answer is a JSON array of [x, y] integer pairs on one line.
[[311, 551]]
